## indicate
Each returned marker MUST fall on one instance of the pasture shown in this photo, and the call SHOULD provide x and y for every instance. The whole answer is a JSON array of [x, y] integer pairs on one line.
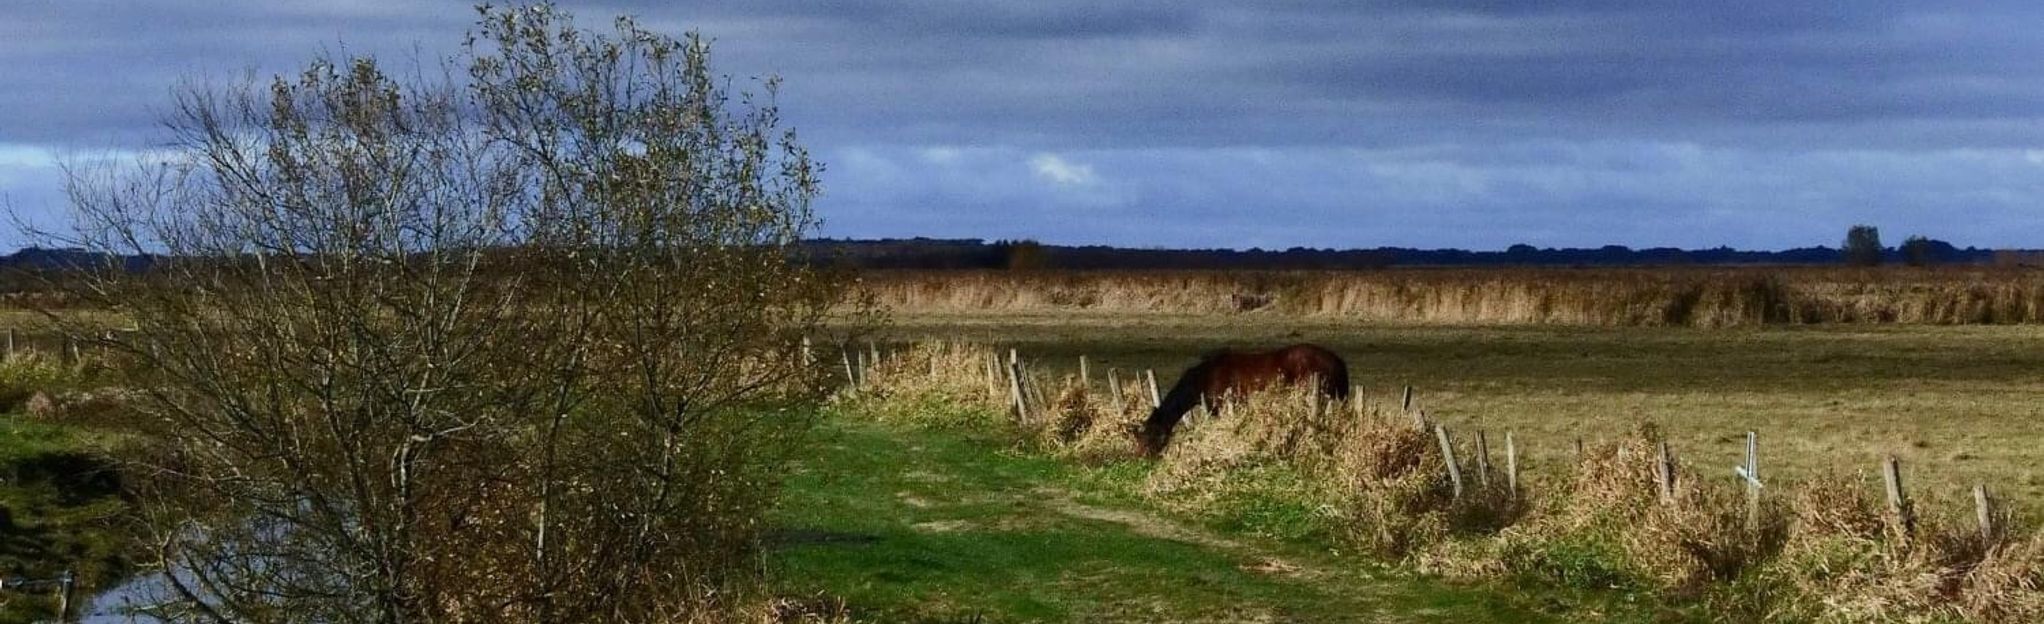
[[1958, 405]]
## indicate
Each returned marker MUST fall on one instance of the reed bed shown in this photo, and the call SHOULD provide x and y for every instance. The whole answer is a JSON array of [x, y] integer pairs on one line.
[[1374, 478], [1701, 297]]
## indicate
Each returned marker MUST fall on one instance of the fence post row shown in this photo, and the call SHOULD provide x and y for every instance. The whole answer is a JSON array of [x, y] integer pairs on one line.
[[1448, 457], [1898, 500]]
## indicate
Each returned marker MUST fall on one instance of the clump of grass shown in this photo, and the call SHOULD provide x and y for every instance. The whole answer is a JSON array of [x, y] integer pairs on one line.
[[1612, 505], [1848, 555], [26, 374], [943, 384]]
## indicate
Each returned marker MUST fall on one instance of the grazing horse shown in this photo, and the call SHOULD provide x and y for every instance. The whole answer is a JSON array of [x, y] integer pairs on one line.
[[1239, 373]]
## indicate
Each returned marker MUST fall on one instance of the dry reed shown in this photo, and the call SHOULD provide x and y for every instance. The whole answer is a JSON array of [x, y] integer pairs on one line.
[[1699, 296]]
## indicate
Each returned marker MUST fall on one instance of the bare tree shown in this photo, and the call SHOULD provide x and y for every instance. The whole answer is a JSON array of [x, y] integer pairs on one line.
[[516, 343]]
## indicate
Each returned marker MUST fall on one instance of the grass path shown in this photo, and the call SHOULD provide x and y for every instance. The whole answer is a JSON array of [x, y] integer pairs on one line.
[[911, 525]]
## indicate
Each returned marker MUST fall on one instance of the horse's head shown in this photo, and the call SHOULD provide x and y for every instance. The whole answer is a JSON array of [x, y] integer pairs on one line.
[[1147, 440]]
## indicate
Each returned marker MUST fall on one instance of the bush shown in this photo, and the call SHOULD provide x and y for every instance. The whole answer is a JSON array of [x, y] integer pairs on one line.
[[523, 347]]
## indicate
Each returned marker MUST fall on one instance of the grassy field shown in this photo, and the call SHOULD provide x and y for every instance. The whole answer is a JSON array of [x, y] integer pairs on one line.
[[1957, 404], [915, 525]]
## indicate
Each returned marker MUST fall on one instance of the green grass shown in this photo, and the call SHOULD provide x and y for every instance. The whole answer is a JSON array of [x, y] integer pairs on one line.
[[917, 525], [59, 510], [1958, 405]]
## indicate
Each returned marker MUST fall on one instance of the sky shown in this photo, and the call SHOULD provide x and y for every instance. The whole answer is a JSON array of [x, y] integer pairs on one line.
[[1757, 124]]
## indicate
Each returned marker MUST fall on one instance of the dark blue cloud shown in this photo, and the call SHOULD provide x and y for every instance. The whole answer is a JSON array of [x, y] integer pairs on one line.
[[1466, 122]]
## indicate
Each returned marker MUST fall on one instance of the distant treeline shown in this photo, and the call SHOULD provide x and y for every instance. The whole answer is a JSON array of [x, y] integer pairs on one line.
[[929, 253]]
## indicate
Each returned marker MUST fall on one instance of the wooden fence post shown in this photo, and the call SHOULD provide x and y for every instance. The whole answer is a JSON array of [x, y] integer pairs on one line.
[[1156, 400], [1482, 459], [851, 376], [1983, 507], [1085, 374], [1579, 450], [1511, 465], [65, 585], [1898, 500], [1405, 404], [1114, 390], [10, 344], [1448, 457], [1664, 474], [1021, 395], [1355, 401]]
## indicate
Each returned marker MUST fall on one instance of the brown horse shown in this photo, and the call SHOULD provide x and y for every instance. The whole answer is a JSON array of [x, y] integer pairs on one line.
[[1238, 373]]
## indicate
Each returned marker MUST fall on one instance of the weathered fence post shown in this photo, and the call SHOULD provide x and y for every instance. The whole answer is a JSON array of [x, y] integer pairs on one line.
[[1085, 374], [65, 585], [1983, 507], [1156, 400], [1448, 457], [1898, 500], [1114, 390], [875, 349], [865, 369], [1579, 450], [1405, 404], [807, 358], [1664, 474], [1751, 473], [1511, 465], [10, 344], [1355, 401], [1016, 385], [851, 376], [1482, 459]]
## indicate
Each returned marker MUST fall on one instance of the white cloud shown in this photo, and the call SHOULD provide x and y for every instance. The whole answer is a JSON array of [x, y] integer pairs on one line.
[[1062, 172]]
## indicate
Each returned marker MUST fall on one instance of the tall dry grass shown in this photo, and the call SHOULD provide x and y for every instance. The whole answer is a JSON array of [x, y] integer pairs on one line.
[[1364, 476], [1704, 297]]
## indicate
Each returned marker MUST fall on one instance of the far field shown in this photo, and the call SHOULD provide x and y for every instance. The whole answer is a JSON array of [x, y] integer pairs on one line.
[[1957, 404]]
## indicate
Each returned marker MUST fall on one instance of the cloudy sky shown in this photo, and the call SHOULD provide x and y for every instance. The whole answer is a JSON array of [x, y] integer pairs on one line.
[[1750, 123]]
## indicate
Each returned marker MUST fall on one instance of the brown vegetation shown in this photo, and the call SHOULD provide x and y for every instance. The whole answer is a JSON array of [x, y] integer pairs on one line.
[[1670, 296]]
